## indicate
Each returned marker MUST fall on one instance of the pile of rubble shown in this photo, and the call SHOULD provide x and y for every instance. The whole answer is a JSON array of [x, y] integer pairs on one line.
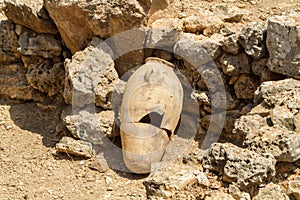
[[52, 52]]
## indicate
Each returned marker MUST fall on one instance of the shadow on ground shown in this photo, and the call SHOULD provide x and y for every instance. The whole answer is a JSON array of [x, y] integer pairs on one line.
[[28, 116]]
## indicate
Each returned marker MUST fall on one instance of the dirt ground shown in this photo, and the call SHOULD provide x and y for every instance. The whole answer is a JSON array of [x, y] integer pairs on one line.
[[30, 167]]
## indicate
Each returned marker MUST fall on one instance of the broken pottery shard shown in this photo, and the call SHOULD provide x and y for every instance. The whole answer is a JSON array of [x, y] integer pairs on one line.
[[150, 111]]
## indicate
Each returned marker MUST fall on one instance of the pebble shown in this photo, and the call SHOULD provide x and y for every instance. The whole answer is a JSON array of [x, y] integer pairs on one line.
[[81, 162]]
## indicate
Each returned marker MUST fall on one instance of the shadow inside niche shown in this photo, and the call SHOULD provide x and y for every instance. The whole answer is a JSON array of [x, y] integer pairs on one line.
[[28, 116]]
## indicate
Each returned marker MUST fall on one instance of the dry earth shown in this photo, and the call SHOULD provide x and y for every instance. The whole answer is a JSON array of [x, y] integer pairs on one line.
[[30, 167]]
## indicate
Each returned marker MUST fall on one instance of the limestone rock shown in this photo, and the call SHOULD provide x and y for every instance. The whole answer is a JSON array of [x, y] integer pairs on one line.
[[46, 76], [164, 33], [213, 45], [253, 39], [272, 125], [97, 125], [75, 147], [228, 13], [90, 77], [293, 188], [165, 181], [271, 192], [237, 194], [245, 86], [8, 43], [235, 64], [230, 44], [44, 45], [31, 14], [189, 47], [284, 45], [251, 123], [128, 53], [247, 168], [79, 22], [218, 196], [205, 23], [260, 68], [284, 145], [13, 84], [273, 93]]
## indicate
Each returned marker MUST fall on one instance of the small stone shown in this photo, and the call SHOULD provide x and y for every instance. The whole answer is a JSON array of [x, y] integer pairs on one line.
[[81, 162], [202, 179], [253, 38], [233, 65], [271, 192], [164, 181], [164, 33], [230, 44], [108, 180], [245, 86], [293, 188], [75, 147]]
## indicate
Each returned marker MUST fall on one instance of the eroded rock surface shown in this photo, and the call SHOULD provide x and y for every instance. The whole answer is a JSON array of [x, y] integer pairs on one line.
[[247, 168], [31, 14], [75, 147], [90, 77], [283, 42], [93, 18], [8, 43]]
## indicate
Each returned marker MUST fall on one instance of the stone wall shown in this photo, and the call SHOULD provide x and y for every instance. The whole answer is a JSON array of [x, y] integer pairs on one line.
[[46, 48]]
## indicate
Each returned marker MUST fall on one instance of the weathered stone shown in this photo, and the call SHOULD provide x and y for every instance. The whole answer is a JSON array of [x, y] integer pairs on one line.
[[251, 123], [237, 194], [8, 43], [13, 84], [283, 42], [42, 45], [97, 125], [205, 23], [293, 188], [46, 76], [31, 14], [128, 53], [228, 14], [90, 77], [190, 47], [218, 196], [213, 45], [247, 168], [271, 126], [164, 33], [235, 64], [245, 86], [260, 68], [165, 181], [253, 39], [75, 147], [283, 92], [271, 192], [93, 18], [284, 145], [230, 44]]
